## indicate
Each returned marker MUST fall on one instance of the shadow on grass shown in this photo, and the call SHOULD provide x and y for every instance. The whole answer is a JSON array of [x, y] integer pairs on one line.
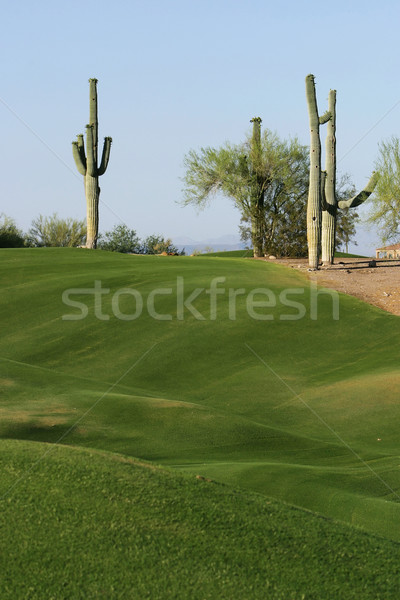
[[36, 432]]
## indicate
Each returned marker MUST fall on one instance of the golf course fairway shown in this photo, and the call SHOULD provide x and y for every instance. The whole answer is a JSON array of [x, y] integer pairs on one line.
[[229, 369]]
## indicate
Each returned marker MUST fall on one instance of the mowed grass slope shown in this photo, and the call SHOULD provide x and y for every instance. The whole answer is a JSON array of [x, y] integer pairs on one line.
[[304, 410], [87, 524]]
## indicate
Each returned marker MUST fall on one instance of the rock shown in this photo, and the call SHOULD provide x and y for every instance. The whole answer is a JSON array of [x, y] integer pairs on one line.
[[272, 257]]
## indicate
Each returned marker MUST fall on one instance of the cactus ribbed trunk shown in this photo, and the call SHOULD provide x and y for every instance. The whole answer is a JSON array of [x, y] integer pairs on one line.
[[257, 234], [314, 190], [329, 211], [257, 191], [87, 166], [92, 192]]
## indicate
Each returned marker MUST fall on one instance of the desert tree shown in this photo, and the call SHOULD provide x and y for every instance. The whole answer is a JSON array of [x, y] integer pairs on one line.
[[385, 206], [261, 176]]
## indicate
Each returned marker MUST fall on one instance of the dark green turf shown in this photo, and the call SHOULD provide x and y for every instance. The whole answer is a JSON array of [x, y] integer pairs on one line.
[[79, 524]]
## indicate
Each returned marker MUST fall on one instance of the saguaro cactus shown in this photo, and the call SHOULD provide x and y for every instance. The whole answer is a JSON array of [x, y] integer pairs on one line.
[[88, 167], [330, 203], [322, 199], [257, 190], [329, 206], [314, 203]]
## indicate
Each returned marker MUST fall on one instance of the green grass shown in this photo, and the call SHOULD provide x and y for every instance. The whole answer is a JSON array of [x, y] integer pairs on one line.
[[231, 254], [85, 524], [305, 411], [347, 255]]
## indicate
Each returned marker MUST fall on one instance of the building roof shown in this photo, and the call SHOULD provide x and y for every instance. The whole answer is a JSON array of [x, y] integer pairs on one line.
[[392, 247]]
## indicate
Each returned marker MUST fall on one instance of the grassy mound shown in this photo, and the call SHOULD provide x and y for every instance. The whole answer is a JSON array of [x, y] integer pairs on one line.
[[302, 409], [85, 524]]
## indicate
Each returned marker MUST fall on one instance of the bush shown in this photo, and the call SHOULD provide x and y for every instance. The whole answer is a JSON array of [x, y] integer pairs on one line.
[[120, 239], [10, 235], [156, 244], [123, 239], [52, 231]]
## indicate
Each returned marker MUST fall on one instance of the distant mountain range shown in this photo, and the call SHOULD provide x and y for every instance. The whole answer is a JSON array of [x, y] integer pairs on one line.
[[225, 242]]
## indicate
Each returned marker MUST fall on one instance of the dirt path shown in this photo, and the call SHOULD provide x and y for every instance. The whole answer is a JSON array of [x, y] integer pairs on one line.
[[378, 285]]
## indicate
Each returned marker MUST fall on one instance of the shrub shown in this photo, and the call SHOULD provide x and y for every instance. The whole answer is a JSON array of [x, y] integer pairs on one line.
[[53, 231], [10, 235], [120, 239]]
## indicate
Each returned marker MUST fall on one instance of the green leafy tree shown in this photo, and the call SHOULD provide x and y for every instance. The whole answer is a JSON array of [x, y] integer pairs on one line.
[[53, 231], [10, 235], [120, 239], [263, 176], [385, 205], [289, 231]]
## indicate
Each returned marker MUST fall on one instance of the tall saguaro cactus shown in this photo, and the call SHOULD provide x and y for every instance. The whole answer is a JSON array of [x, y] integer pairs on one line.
[[257, 190], [329, 207], [88, 167], [314, 203], [323, 204]]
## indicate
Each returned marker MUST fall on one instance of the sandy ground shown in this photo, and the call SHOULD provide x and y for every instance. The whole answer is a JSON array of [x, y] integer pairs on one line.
[[378, 285]]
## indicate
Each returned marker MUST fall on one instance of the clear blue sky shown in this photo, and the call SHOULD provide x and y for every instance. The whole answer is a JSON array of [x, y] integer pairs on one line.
[[181, 74]]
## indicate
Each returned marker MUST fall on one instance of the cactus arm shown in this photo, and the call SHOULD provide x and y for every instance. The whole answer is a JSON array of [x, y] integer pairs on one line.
[[91, 163], [80, 165], [81, 146], [314, 189], [363, 195], [325, 117], [105, 157]]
